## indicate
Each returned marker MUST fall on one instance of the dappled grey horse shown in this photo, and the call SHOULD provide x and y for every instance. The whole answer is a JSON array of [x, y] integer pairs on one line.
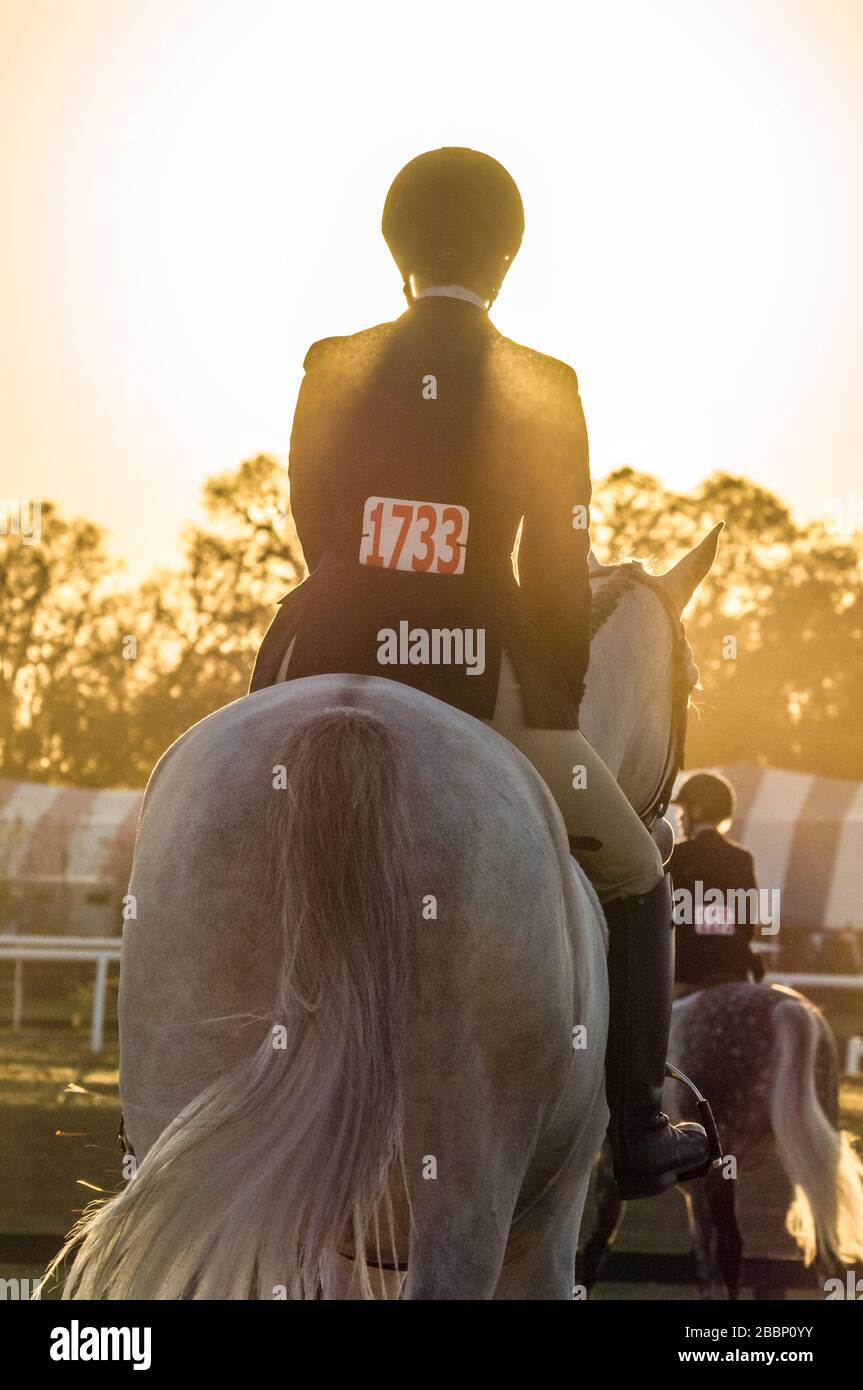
[[349, 995], [767, 1058]]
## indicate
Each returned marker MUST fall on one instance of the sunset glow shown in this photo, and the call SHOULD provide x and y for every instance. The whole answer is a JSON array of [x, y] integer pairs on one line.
[[193, 195]]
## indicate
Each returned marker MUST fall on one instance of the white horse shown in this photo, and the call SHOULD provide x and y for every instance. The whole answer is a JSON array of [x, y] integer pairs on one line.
[[349, 998]]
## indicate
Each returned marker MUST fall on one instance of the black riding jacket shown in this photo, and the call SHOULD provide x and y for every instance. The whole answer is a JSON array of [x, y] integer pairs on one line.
[[714, 945], [418, 448]]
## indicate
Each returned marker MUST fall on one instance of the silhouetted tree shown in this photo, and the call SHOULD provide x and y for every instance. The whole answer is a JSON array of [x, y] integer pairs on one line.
[[60, 664], [776, 627]]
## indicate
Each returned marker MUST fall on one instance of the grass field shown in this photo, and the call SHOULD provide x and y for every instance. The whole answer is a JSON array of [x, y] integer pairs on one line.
[[60, 1112]]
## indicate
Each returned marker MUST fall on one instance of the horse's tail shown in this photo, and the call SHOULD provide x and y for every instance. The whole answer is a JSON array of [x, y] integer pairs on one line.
[[826, 1214], [257, 1185]]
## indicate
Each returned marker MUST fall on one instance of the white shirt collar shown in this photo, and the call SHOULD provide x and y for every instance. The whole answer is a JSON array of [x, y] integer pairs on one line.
[[452, 292]]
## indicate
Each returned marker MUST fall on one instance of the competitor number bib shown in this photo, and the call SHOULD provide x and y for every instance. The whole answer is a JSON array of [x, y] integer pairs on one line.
[[423, 537], [711, 919]]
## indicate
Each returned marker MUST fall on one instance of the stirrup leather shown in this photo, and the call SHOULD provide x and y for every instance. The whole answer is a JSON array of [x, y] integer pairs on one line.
[[705, 1118]]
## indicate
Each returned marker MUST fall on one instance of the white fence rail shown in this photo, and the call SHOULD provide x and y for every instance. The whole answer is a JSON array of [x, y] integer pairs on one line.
[[105, 949], [101, 949], [803, 981]]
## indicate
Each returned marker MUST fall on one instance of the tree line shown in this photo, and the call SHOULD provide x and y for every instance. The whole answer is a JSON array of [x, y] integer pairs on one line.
[[98, 678]]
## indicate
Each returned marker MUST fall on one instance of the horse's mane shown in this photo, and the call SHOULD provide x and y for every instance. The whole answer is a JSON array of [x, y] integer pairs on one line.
[[616, 580]]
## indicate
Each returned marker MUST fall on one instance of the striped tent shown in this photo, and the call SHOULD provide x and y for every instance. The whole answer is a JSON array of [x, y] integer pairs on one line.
[[65, 854], [806, 834], [73, 834]]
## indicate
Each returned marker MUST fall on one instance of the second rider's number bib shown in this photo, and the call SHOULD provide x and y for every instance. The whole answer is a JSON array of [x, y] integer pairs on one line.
[[423, 537]]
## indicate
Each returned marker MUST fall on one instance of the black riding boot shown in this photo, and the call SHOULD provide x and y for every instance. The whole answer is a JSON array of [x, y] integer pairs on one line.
[[650, 1154]]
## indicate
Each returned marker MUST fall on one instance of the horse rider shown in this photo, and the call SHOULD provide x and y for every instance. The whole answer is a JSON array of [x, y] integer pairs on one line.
[[712, 938], [420, 449]]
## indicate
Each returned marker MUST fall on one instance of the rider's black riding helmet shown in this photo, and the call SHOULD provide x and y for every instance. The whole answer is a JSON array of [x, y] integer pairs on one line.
[[453, 214], [713, 795]]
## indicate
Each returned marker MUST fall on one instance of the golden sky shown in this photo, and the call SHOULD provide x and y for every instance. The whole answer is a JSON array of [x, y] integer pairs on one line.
[[192, 189]]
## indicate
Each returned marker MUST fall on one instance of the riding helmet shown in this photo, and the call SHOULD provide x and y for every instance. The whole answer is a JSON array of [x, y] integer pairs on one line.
[[452, 210], [714, 795]]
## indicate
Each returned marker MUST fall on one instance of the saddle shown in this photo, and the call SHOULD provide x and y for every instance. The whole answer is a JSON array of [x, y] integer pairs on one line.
[[683, 990]]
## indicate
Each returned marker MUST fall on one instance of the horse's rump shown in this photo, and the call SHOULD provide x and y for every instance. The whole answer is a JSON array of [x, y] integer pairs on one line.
[[424, 875], [768, 1060]]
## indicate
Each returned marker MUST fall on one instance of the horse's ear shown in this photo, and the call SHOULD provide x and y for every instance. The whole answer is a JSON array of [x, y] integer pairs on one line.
[[594, 565], [682, 581]]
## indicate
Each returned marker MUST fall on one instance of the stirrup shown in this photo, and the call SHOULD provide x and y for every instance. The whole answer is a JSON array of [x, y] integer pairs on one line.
[[705, 1118]]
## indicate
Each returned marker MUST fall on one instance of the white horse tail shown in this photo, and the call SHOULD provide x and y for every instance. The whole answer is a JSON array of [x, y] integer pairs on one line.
[[256, 1186], [826, 1215]]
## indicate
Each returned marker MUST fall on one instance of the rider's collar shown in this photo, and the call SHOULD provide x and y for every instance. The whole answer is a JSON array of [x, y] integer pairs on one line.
[[452, 292]]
